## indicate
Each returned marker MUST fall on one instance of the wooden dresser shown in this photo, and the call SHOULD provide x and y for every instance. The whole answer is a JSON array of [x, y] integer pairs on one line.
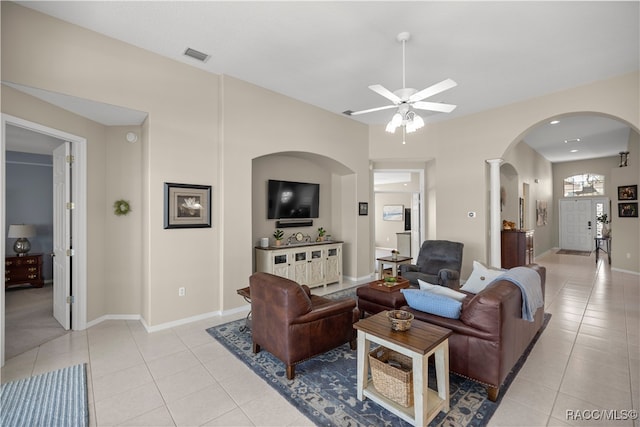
[[517, 248], [19, 270]]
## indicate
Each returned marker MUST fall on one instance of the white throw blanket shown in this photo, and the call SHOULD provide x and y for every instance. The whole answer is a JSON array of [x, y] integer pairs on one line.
[[528, 280]]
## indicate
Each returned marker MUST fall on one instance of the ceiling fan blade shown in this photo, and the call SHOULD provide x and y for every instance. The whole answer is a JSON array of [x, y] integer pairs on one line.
[[434, 106], [381, 90], [432, 90], [370, 110]]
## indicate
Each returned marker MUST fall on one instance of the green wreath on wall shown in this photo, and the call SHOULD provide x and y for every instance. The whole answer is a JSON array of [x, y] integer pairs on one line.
[[121, 207]]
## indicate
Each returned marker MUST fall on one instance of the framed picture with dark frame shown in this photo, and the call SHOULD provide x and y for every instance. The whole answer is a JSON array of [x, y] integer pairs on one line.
[[363, 208], [628, 192], [187, 206], [628, 210]]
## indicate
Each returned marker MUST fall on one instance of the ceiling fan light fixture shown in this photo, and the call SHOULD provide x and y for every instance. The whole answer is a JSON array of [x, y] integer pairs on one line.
[[391, 128]]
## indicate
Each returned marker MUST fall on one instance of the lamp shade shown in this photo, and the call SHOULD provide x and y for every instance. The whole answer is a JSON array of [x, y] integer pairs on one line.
[[18, 231]]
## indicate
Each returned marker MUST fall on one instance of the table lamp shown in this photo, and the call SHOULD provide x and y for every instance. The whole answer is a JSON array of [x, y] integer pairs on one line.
[[21, 232]]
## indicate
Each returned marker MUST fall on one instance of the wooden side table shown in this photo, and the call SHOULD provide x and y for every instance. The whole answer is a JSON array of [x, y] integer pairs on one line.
[[393, 262], [419, 342]]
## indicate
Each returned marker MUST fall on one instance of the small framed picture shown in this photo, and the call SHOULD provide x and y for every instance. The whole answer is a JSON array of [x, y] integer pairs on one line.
[[628, 210], [628, 192], [363, 208], [187, 206]]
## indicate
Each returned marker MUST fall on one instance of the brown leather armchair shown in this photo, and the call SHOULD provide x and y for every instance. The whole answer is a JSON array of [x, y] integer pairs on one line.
[[293, 325]]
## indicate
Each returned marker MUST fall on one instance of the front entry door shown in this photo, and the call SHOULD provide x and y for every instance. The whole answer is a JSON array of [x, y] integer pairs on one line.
[[577, 225], [61, 235]]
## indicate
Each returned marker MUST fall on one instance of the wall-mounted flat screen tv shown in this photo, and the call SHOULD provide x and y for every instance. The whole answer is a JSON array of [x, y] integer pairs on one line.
[[287, 199]]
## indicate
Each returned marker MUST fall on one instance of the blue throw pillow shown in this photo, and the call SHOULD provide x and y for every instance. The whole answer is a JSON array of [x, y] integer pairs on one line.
[[432, 303]]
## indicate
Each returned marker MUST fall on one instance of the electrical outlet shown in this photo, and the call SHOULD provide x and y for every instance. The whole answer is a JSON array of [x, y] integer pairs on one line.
[[181, 292]]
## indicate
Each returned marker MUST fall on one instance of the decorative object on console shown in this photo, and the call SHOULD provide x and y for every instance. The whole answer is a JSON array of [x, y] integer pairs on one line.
[[321, 233], [508, 225], [394, 254], [278, 234], [21, 232], [121, 207], [604, 220], [187, 206], [628, 192]]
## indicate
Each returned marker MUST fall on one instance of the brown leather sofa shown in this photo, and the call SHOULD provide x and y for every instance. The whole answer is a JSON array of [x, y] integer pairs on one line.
[[293, 325], [490, 335]]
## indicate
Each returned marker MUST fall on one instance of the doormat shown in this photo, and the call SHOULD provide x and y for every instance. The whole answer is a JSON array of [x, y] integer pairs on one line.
[[571, 252]]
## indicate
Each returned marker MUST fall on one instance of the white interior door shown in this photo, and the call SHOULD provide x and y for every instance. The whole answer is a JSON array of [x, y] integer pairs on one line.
[[61, 235], [577, 225]]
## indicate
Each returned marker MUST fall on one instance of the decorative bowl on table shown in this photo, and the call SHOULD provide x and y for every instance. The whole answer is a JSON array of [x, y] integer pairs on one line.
[[400, 320]]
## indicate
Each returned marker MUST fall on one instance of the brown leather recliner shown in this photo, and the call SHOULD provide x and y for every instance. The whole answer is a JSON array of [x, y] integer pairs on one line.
[[293, 325]]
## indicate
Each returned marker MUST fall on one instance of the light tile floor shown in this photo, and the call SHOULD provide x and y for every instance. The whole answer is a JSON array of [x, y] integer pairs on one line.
[[588, 358]]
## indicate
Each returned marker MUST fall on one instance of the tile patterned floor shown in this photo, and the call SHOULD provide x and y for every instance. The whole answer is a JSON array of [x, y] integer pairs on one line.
[[587, 359]]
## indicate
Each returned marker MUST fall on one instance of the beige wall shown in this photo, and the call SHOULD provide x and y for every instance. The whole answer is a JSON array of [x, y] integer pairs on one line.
[[180, 145], [462, 146], [536, 171]]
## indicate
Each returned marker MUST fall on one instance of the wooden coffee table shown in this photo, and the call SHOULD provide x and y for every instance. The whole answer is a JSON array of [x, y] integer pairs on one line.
[[419, 342]]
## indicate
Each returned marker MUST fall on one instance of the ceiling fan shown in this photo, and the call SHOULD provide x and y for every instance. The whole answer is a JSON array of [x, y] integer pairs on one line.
[[406, 100]]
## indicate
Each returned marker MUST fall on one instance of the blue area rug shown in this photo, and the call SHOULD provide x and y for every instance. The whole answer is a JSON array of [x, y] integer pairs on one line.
[[324, 387], [55, 399]]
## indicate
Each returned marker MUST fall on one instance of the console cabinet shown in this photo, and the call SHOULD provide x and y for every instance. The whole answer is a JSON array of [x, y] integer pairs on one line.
[[19, 270], [315, 264], [517, 248]]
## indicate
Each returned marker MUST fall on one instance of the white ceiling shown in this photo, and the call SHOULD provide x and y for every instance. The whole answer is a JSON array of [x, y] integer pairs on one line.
[[328, 53]]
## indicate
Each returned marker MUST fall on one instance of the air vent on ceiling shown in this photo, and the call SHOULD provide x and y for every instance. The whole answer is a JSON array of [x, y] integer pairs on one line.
[[195, 54]]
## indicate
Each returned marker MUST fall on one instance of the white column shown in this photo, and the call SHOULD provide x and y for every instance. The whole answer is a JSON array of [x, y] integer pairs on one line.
[[494, 209]]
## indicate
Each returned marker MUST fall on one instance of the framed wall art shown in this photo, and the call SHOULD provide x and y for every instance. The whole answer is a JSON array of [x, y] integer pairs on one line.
[[363, 208], [628, 210], [628, 192], [187, 206], [392, 212]]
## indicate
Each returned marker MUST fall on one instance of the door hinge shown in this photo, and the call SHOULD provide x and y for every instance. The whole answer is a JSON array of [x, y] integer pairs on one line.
[[71, 205], [70, 252], [71, 299], [70, 159]]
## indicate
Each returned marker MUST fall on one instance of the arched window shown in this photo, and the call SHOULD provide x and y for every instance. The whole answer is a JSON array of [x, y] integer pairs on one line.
[[587, 184]]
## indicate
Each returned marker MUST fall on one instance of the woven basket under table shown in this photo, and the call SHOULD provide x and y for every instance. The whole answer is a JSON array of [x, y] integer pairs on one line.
[[391, 382]]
